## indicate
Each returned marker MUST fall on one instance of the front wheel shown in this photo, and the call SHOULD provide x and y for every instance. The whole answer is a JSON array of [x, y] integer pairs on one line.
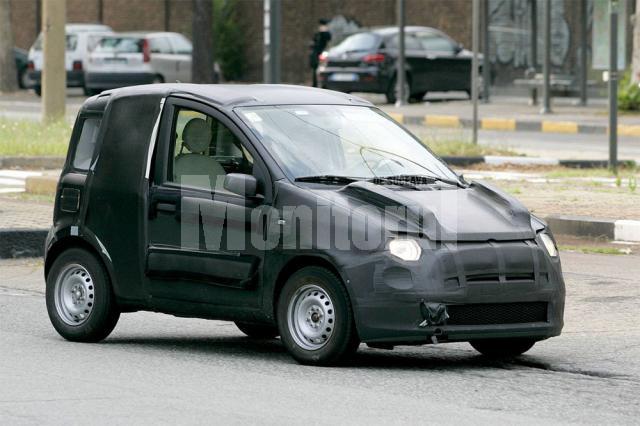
[[315, 317], [502, 348], [79, 297]]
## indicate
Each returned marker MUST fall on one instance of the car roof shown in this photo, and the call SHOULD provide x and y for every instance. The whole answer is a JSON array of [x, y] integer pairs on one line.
[[233, 95], [144, 34], [79, 28], [387, 31]]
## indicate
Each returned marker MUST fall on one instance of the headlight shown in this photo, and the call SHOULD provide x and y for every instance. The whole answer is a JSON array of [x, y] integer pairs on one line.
[[549, 245], [408, 250]]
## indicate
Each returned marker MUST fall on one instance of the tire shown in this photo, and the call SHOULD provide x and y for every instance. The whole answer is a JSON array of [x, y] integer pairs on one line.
[[158, 79], [23, 79], [417, 97], [257, 331], [391, 94], [79, 297], [323, 332], [38, 90], [502, 348]]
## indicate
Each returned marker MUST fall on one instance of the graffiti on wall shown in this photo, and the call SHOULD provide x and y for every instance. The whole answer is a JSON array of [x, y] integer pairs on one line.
[[510, 29], [341, 27]]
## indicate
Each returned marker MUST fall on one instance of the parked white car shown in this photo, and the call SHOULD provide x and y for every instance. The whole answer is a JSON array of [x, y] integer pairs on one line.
[[128, 59], [80, 40]]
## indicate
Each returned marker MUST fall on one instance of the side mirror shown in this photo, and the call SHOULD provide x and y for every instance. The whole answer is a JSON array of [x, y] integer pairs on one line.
[[241, 184], [458, 48]]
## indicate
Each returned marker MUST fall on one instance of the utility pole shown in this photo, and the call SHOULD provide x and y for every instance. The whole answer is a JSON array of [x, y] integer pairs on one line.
[[54, 75], [583, 52], [486, 63], [8, 81], [613, 86], [474, 66], [401, 73], [546, 67], [272, 30]]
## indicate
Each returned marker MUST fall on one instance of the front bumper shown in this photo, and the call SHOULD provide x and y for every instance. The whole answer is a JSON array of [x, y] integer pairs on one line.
[[490, 290], [113, 80]]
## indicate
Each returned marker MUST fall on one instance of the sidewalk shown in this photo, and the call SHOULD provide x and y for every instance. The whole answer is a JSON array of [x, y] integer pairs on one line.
[[508, 113]]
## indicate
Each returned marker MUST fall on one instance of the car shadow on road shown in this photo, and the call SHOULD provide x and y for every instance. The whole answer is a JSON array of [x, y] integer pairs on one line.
[[271, 351]]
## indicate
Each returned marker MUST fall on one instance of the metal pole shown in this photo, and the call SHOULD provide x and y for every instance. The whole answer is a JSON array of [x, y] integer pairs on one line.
[[401, 74], [272, 24], [613, 86], [583, 52], [486, 63], [533, 34], [475, 28], [546, 69], [54, 76]]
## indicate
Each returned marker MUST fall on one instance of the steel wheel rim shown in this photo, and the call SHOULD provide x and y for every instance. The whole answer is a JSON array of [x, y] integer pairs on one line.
[[74, 295], [311, 317]]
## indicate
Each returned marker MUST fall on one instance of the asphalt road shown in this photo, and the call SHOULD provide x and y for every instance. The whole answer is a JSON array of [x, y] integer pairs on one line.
[[25, 105], [158, 369]]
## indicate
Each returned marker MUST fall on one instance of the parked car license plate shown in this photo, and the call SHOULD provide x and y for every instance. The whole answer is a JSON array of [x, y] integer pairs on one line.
[[115, 60], [344, 76]]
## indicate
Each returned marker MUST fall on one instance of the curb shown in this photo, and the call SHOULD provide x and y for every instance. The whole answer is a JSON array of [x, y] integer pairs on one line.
[[31, 163], [531, 161], [42, 185], [511, 124], [615, 230], [15, 243]]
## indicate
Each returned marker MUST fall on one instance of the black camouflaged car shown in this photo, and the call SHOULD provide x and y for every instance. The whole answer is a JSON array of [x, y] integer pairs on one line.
[[294, 212]]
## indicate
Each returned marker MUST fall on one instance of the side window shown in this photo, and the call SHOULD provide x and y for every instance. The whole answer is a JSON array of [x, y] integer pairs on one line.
[[204, 151], [160, 45], [435, 43], [410, 42], [181, 45], [86, 144]]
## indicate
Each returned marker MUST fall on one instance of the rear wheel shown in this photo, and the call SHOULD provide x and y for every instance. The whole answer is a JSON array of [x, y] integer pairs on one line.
[[79, 297], [38, 90], [392, 91], [502, 348], [257, 331], [315, 317]]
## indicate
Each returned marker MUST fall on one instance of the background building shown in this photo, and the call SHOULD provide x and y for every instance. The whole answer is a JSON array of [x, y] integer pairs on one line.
[[509, 24]]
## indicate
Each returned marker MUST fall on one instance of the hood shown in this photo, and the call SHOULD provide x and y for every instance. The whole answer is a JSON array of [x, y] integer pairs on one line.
[[479, 212]]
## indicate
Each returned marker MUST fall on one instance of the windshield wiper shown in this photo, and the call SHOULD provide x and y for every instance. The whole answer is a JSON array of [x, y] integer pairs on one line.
[[415, 180], [329, 179]]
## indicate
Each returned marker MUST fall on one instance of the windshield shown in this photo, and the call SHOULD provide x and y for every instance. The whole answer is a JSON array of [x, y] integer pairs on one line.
[[351, 141], [120, 45]]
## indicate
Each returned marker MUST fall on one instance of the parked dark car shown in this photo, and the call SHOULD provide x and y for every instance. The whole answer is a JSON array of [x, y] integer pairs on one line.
[[366, 62], [20, 56], [293, 211]]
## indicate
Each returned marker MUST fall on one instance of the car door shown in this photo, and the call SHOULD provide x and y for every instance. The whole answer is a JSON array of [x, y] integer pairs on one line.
[[204, 241], [163, 60], [416, 60], [448, 67], [182, 50]]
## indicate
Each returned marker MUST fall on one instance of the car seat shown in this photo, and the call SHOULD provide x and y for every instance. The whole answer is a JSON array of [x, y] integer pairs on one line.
[[195, 168]]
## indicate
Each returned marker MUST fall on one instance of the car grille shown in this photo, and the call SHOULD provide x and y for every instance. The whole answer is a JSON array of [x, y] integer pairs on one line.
[[497, 313]]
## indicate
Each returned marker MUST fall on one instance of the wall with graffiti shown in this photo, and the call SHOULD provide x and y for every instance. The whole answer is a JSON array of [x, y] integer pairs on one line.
[[510, 36]]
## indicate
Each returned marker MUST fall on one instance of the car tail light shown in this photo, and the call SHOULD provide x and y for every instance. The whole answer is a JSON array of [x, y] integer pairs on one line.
[[31, 66], [374, 58], [77, 65], [323, 57], [146, 51]]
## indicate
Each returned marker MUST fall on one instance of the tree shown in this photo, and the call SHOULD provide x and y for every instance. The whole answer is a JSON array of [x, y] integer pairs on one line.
[[202, 25], [8, 75]]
